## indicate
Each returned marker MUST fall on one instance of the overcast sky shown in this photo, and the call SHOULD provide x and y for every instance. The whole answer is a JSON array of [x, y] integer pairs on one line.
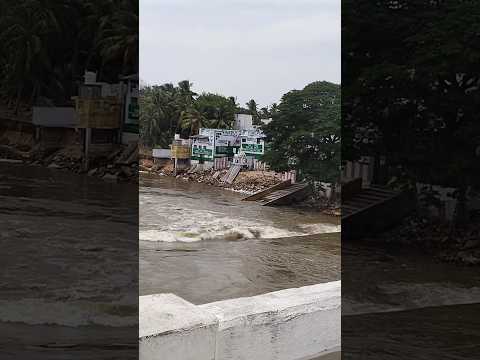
[[256, 49]]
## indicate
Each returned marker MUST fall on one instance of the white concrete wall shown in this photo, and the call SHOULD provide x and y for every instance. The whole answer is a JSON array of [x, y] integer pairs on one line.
[[293, 324], [243, 121], [173, 329]]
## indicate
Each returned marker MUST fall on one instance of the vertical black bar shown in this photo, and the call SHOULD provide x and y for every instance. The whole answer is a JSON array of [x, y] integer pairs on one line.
[[68, 210], [410, 243]]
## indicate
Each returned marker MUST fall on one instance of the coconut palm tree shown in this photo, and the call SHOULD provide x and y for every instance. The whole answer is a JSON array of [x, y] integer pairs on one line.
[[118, 36], [45, 45], [252, 109], [28, 31], [192, 120]]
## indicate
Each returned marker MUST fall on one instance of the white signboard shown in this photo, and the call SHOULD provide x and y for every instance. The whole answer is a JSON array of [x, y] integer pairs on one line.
[[162, 153], [55, 116]]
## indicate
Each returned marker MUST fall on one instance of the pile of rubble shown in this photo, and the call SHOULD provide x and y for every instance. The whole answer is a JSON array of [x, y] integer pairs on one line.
[[120, 165], [246, 181], [253, 181]]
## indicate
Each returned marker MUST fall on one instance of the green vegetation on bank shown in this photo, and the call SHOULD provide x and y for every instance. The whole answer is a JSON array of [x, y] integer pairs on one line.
[[304, 133], [46, 45], [166, 110], [412, 90]]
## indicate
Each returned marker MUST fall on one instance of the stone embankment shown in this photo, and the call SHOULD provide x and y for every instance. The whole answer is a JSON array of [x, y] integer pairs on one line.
[[247, 182], [120, 164]]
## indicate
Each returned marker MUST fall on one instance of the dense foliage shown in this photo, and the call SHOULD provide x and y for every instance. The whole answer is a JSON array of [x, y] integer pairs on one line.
[[304, 133], [46, 45], [251, 108], [167, 110], [412, 88]]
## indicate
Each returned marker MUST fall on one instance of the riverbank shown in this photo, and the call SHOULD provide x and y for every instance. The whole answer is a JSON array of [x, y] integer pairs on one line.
[[120, 164], [437, 239], [247, 182]]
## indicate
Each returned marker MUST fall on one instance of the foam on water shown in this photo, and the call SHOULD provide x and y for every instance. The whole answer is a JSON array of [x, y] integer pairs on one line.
[[217, 233], [312, 229], [225, 228], [168, 214]]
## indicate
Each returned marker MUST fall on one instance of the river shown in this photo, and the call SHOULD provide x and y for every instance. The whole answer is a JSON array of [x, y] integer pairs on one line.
[[69, 263], [205, 244], [399, 304]]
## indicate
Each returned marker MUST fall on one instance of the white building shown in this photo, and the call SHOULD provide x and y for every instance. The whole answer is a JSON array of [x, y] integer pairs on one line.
[[243, 121]]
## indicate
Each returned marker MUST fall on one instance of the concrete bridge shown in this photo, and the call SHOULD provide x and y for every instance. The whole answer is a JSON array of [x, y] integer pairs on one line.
[[292, 324]]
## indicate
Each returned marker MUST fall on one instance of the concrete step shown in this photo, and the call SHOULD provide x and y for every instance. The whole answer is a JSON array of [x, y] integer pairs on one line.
[[367, 198]]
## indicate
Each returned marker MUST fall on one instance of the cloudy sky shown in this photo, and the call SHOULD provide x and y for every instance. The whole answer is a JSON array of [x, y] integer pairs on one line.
[[256, 49]]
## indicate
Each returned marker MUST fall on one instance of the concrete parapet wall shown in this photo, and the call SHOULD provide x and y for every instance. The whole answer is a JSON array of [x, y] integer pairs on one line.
[[293, 324], [174, 329]]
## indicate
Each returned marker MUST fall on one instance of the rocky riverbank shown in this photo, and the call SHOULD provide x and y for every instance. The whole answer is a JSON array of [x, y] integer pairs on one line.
[[247, 182], [436, 238], [120, 165]]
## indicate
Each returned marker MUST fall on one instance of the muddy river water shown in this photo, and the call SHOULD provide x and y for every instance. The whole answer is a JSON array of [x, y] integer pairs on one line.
[[69, 266], [203, 244], [206, 244]]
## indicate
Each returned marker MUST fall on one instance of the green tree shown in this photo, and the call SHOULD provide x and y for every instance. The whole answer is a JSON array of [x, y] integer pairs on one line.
[[218, 110], [46, 45], [192, 120], [118, 36], [253, 110], [304, 134], [412, 91]]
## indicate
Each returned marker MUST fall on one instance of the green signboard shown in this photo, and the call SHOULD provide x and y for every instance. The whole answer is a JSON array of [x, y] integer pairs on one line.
[[197, 151], [252, 148], [226, 150]]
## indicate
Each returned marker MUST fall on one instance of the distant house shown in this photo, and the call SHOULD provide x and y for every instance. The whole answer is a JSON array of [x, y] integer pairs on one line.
[[243, 122]]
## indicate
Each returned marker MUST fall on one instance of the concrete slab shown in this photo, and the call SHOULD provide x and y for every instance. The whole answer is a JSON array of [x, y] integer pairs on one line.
[[174, 329], [293, 324]]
